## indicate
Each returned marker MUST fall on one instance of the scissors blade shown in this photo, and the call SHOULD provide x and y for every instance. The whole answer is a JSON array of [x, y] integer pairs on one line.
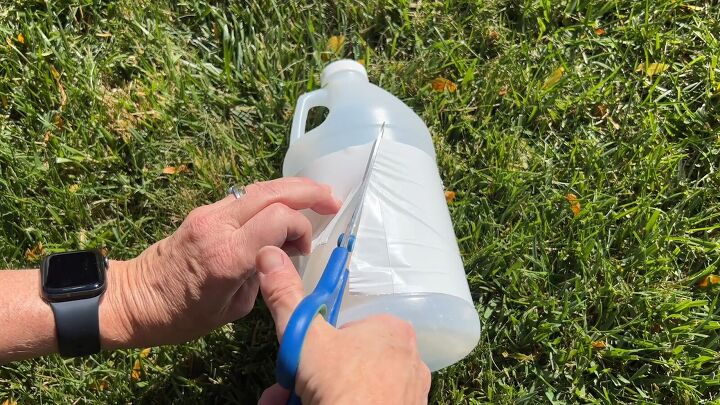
[[354, 224]]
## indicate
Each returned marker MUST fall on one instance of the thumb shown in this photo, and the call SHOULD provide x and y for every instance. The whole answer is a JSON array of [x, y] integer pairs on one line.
[[280, 285], [275, 395]]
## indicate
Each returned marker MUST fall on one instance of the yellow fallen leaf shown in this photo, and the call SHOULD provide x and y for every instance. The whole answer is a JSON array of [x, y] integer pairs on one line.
[[9, 402], [183, 168], [574, 203], [137, 368], [74, 188], [101, 385], [652, 69], [55, 73], [21, 38], [691, 7], [144, 353], [442, 84], [336, 43], [61, 88], [525, 358], [35, 253], [361, 61], [554, 78], [599, 344], [709, 280], [613, 123], [599, 31], [450, 196]]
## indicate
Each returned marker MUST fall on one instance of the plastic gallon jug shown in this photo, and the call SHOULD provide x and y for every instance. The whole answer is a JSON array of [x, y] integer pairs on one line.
[[406, 261]]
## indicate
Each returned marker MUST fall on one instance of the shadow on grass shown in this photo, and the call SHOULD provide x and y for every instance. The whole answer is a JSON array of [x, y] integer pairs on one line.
[[230, 366]]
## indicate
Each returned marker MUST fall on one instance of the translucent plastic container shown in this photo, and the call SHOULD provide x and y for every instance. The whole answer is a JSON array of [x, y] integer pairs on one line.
[[406, 260]]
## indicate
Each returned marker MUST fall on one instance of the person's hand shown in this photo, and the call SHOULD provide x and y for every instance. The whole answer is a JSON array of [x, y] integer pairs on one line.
[[373, 361], [203, 275]]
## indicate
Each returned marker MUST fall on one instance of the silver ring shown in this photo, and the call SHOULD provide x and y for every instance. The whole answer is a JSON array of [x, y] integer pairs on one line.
[[237, 191]]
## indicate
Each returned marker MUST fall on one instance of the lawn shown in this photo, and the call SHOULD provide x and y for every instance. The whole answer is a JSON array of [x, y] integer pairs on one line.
[[582, 140]]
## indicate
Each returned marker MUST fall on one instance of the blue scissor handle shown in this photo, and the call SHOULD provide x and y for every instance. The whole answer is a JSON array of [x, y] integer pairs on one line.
[[325, 299]]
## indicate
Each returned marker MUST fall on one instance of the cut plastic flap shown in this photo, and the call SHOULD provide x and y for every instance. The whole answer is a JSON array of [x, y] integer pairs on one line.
[[406, 243]]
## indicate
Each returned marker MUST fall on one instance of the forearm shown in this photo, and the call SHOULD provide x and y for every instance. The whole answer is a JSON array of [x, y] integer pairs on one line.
[[26, 321], [27, 324]]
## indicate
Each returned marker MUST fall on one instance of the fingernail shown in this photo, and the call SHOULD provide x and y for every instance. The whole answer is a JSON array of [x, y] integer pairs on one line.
[[271, 260]]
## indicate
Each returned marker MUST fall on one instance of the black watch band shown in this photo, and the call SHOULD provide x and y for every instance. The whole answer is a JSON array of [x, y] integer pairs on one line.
[[77, 325]]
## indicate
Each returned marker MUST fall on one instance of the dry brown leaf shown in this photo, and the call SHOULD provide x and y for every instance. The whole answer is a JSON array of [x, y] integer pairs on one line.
[[652, 69], [58, 121], [554, 78], [47, 137], [601, 111], [9, 402], [21, 38], [574, 203], [450, 196], [599, 344], [503, 91], [493, 35], [103, 34], [336, 43], [63, 95], [709, 280], [35, 253], [599, 31], [169, 170], [144, 353], [183, 169], [137, 368], [441, 84]]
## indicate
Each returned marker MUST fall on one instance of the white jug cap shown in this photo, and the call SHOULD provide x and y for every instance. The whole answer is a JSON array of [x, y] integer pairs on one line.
[[344, 65]]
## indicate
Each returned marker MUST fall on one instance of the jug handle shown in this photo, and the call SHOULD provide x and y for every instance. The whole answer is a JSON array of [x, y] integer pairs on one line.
[[304, 104]]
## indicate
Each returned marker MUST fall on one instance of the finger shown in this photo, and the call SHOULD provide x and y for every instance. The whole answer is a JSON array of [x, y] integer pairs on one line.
[[280, 285], [276, 225], [274, 395], [243, 300], [295, 192]]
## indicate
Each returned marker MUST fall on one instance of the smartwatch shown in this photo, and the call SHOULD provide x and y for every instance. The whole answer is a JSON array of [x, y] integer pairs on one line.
[[72, 283]]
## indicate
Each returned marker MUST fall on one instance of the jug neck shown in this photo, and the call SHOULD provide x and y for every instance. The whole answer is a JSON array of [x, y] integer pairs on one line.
[[343, 70]]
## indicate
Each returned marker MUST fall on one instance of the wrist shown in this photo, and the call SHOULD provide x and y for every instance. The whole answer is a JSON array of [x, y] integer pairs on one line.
[[115, 325]]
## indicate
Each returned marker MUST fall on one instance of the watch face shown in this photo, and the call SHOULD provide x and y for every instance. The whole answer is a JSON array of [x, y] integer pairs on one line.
[[67, 275]]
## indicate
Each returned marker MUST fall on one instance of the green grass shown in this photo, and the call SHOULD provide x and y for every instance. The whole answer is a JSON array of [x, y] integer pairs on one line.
[[212, 85]]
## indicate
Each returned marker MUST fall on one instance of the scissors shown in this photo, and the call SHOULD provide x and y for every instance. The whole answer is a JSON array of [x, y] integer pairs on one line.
[[327, 295]]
